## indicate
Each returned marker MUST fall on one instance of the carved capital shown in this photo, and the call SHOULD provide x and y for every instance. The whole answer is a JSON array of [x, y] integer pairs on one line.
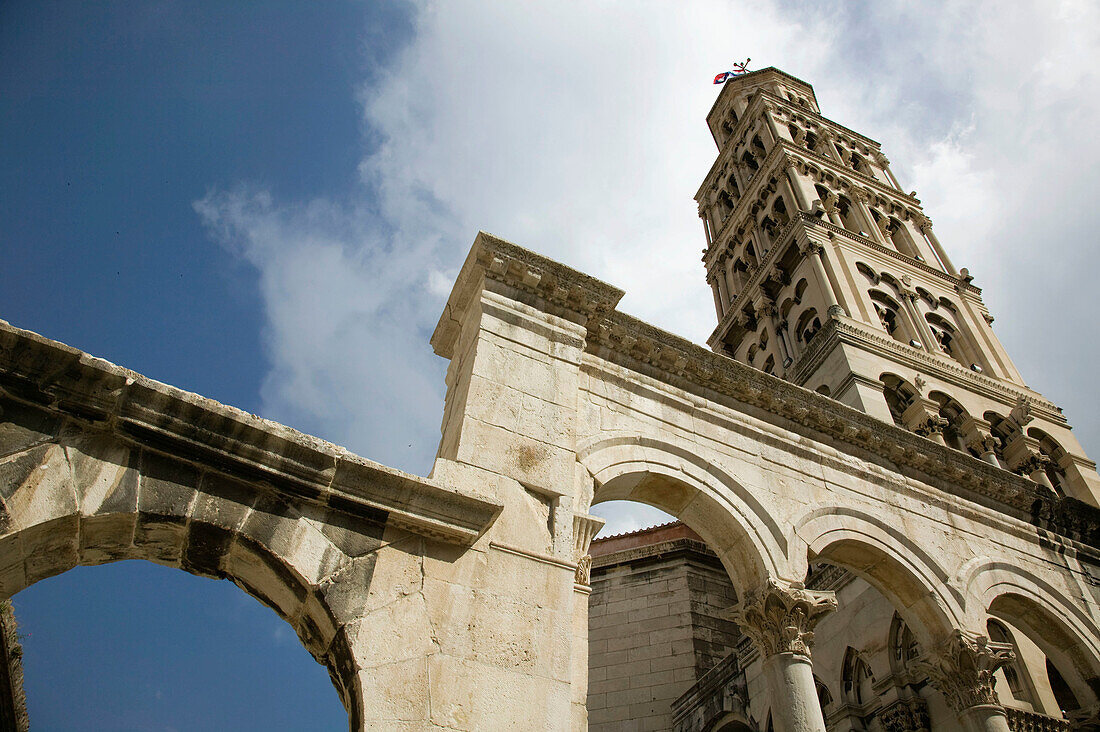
[[962, 669], [810, 248], [861, 195], [780, 618], [933, 425], [585, 527], [905, 715]]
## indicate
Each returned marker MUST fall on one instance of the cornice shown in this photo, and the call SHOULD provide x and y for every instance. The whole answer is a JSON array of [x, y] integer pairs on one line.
[[572, 293], [846, 172], [660, 549], [639, 346], [100, 396], [842, 330], [865, 241]]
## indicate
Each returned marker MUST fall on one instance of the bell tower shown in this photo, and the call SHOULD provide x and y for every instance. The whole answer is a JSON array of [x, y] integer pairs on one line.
[[826, 273]]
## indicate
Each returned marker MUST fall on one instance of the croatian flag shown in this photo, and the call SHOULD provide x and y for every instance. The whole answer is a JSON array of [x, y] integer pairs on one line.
[[721, 78]]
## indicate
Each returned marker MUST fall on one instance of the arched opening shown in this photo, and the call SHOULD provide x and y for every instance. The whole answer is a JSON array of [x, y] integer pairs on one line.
[[674, 581], [154, 647], [1055, 459], [848, 216], [89, 499], [899, 394], [955, 418], [1053, 660]]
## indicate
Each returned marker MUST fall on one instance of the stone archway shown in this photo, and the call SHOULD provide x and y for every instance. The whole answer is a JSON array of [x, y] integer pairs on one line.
[[672, 478], [87, 499]]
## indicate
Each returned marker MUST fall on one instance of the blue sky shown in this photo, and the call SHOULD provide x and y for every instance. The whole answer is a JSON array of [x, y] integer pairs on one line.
[[266, 203]]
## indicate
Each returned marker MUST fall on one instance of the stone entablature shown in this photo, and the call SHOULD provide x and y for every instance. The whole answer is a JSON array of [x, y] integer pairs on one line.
[[103, 397]]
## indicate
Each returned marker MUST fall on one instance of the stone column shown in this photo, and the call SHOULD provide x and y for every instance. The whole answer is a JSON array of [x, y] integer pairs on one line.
[[813, 251], [925, 226], [981, 440], [585, 527], [780, 618], [962, 670]]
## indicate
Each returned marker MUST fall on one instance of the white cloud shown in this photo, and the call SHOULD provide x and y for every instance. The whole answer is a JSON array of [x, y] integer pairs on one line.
[[578, 130]]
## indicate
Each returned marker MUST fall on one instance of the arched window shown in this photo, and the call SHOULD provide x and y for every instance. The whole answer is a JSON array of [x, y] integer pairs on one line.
[[955, 415], [1013, 673], [848, 216], [857, 678], [899, 395], [800, 290], [749, 162], [904, 648], [808, 325], [889, 315], [811, 142], [824, 698], [1067, 700], [1003, 431], [779, 212], [946, 336], [1054, 455], [758, 147], [899, 236]]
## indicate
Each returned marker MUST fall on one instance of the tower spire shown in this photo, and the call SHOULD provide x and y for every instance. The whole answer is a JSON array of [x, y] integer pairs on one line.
[[826, 272]]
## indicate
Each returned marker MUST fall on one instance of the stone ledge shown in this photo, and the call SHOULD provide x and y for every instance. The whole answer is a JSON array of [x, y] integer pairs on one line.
[[638, 346], [550, 286], [94, 392]]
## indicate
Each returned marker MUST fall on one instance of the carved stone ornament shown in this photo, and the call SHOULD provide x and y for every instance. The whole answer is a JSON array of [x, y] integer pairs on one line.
[[585, 527], [962, 669], [1085, 720], [933, 425], [905, 715], [780, 618]]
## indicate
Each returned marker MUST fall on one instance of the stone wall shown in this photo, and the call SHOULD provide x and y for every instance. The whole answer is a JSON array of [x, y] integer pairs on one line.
[[654, 625]]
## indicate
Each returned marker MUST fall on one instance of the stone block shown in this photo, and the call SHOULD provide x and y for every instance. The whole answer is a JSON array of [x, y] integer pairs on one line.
[[107, 538], [168, 486], [37, 486], [50, 548], [347, 592], [223, 502], [262, 575], [160, 538], [397, 693]]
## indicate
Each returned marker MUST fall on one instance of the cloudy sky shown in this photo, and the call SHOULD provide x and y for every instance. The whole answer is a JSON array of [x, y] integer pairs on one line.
[[267, 204]]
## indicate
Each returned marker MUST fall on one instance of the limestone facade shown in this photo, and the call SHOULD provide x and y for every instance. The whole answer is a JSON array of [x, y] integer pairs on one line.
[[459, 601]]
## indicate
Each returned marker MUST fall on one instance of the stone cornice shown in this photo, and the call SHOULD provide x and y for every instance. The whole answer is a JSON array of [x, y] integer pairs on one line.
[[659, 550], [844, 171], [569, 292], [639, 346], [836, 331], [98, 395], [864, 241]]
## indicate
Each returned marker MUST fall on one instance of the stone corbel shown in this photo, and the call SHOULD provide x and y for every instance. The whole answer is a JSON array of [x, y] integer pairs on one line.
[[780, 617], [905, 715], [585, 528], [962, 669]]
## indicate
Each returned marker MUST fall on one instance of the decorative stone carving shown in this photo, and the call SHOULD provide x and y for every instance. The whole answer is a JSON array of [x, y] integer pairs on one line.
[[780, 618], [933, 425], [585, 527], [962, 669], [905, 715], [1085, 720]]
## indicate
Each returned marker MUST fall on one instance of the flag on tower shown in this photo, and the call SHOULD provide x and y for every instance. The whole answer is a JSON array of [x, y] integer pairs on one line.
[[738, 70]]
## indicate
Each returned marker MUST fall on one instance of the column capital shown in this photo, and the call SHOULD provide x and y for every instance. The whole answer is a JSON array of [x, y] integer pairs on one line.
[[585, 527], [780, 617], [962, 667]]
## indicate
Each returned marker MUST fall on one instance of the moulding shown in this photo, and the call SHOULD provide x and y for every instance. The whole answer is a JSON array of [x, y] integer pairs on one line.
[[99, 395]]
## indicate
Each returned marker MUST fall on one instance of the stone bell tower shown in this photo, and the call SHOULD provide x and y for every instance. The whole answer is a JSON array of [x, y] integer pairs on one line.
[[825, 272]]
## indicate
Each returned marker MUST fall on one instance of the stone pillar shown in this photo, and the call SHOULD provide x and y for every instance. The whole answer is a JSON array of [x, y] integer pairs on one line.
[[780, 618], [979, 439], [585, 528], [962, 670], [923, 417], [813, 252], [925, 226]]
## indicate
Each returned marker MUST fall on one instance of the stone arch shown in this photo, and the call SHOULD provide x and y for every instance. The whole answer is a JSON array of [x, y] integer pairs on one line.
[[889, 560], [85, 499], [1062, 630], [673, 478]]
